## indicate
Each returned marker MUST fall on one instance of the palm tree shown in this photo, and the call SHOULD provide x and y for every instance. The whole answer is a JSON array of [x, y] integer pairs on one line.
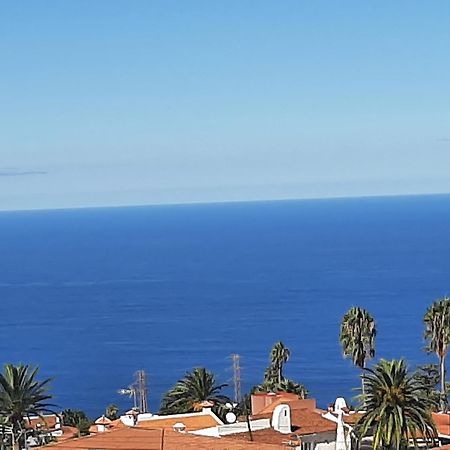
[[21, 396], [437, 334], [274, 380], [189, 392], [77, 419], [357, 337], [111, 412], [398, 408], [279, 355]]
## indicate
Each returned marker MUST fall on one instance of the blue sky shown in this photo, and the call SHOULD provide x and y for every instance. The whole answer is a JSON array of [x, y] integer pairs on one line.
[[136, 102]]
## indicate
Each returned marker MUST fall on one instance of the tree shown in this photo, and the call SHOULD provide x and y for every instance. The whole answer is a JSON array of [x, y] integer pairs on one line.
[[437, 335], [398, 408], [357, 337], [279, 355], [274, 380], [77, 419], [21, 396], [428, 376], [197, 386], [111, 412]]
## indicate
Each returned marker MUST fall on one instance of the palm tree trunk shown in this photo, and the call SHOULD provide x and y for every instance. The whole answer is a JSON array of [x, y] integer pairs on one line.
[[442, 369], [363, 385]]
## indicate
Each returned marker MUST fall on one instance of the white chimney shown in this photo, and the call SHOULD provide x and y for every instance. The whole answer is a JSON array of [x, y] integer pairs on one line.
[[281, 419], [340, 404], [129, 420]]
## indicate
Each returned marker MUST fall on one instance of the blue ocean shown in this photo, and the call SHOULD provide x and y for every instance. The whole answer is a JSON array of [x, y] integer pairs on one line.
[[93, 295]]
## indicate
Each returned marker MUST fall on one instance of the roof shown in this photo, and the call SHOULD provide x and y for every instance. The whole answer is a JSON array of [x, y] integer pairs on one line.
[[305, 421], [310, 422], [266, 436], [442, 421], [157, 439], [46, 421], [68, 433], [192, 422], [352, 418], [292, 400], [102, 421]]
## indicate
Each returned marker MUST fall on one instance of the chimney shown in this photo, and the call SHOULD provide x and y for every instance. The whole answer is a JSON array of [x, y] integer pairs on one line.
[[281, 419]]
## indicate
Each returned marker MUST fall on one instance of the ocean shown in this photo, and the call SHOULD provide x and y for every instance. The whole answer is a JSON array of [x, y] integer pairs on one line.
[[92, 295]]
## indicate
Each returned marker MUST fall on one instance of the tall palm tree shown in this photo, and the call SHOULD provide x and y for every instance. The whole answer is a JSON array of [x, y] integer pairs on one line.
[[21, 396], [437, 334], [279, 355], [398, 408], [357, 337], [111, 412], [197, 386], [274, 380]]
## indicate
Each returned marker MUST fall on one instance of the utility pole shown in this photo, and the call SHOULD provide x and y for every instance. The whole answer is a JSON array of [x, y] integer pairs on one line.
[[236, 376], [141, 390]]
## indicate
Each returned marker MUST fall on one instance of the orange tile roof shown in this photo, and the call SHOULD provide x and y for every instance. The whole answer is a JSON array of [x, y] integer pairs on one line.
[[192, 423], [117, 424], [68, 433], [352, 418], [305, 421], [103, 421], [47, 422], [442, 422], [267, 436], [309, 422], [157, 439], [293, 402]]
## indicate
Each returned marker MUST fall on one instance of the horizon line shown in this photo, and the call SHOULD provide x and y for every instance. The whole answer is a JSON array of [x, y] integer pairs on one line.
[[220, 202]]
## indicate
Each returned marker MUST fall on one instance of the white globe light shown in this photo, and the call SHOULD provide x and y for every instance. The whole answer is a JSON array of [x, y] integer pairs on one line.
[[230, 417]]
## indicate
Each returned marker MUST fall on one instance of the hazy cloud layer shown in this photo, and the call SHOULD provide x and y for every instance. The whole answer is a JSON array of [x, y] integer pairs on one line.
[[15, 172]]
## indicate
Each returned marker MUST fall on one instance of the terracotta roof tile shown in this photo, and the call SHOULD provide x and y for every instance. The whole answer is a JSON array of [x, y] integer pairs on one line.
[[103, 421], [157, 439], [192, 423], [305, 421], [293, 402], [47, 422], [442, 422], [267, 436]]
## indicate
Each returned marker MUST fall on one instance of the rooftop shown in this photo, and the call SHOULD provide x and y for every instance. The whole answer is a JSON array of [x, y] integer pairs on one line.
[[157, 439], [192, 422]]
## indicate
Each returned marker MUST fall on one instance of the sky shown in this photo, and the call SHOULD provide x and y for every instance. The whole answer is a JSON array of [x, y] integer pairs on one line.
[[106, 103]]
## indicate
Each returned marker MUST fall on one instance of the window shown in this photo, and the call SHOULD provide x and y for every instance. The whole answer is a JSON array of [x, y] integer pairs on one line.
[[308, 445]]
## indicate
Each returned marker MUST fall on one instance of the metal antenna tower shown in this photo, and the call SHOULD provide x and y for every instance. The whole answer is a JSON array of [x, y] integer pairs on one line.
[[236, 376], [141, 390]]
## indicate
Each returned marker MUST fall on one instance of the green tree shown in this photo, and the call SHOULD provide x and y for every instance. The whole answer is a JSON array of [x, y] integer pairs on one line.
[[357, 337], [274, 379], [21, 396], [428, 376], [111, 412], [279, 355], [437, 336], [77, 419], [197, 386], [397, 405]]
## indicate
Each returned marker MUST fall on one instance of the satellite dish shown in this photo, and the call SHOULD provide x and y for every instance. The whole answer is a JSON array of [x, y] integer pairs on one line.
[[230, 417]]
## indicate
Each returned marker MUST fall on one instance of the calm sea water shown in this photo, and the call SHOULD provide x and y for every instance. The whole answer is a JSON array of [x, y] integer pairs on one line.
[[93, 295]]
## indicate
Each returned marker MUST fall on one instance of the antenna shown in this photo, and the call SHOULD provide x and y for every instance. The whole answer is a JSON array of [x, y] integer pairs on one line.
[[236, 376], [139, 391]]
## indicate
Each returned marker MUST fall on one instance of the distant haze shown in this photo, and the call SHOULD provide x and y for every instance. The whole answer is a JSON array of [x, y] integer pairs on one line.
[[120, 103]]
